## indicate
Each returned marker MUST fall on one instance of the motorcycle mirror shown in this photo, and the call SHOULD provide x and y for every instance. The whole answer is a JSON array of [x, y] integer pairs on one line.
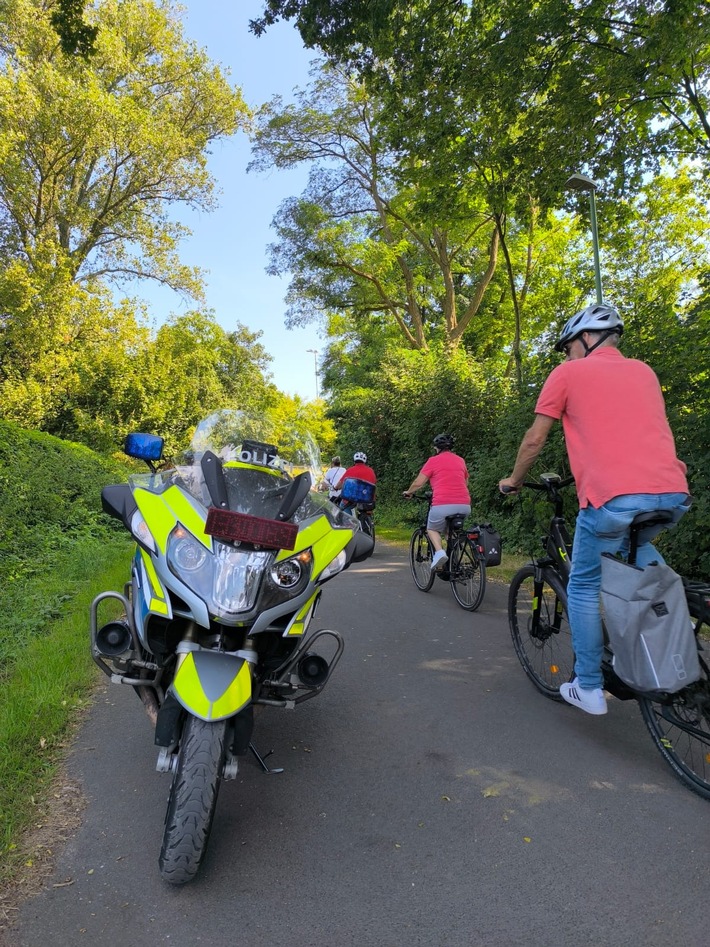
[[147, 447], [296, 493]]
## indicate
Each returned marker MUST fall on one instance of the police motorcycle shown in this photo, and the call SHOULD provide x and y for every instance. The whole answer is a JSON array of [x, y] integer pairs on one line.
[[232, 550]]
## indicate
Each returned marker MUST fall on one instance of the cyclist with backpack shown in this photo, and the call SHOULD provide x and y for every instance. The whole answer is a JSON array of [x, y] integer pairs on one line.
[[448, 476], [358, 471]]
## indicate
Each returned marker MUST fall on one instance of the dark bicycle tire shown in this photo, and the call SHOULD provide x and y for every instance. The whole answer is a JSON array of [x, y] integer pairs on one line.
[[193, 799], [420, 556], [679, 725], [545, 652], [467, 574]]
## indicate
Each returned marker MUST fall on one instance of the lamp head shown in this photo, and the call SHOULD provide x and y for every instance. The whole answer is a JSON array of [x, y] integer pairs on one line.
[[580, 182]]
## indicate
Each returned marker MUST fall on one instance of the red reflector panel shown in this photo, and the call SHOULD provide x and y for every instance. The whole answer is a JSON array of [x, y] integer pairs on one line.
[[226, 524]]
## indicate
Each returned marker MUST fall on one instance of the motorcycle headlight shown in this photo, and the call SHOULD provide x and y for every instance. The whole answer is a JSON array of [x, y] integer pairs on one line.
[[186, 553], [287, 573], [225, 578], [237, 576]]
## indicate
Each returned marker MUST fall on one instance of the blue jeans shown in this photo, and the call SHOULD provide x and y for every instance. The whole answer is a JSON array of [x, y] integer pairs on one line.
[[598, 531]]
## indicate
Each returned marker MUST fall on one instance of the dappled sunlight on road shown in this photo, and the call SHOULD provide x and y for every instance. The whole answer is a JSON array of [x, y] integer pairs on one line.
[[514, 787]]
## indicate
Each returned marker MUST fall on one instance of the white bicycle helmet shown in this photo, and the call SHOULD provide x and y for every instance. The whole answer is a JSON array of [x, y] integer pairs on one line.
[[359, 455], [596, 318]]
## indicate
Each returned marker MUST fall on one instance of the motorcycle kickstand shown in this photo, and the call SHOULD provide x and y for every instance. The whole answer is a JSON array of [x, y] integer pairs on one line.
[[262, 761]]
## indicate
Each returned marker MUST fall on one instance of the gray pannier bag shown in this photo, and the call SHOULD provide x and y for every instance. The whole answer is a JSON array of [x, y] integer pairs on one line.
[[649, 626]]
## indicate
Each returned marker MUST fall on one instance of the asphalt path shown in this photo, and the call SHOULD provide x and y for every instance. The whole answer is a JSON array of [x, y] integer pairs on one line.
[[430, 797]]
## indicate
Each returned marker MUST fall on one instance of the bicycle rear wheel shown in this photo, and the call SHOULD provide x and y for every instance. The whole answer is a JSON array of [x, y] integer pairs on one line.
[[537, 613], [467, 574], [368, 524], [679, 725], [420, 556]]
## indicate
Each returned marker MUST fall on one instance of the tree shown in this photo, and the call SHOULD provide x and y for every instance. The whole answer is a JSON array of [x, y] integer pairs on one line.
[[94, 155], [164, 382], [358, 242], [625, 81]]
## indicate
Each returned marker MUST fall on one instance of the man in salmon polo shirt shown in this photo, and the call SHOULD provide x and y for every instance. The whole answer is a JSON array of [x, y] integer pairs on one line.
[[622, 455], [448, 476]]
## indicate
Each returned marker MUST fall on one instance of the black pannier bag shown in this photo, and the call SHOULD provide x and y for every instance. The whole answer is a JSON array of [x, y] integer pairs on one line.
[[488, 541]]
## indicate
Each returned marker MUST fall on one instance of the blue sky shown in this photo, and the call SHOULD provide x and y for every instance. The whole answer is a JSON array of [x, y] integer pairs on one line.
[[231, 242]]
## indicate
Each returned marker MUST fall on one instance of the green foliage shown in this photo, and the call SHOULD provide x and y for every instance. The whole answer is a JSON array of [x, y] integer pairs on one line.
[[359, 240], [678, 348], [90, 371], [96, 151], [50, 507], [75, 35], [410, 397], [615, 85]]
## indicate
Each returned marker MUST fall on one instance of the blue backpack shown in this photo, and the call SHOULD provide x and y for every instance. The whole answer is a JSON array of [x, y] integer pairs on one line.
[[357, 491]]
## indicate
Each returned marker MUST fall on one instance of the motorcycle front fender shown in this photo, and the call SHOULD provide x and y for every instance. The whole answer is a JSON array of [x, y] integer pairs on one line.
[[212, 685]]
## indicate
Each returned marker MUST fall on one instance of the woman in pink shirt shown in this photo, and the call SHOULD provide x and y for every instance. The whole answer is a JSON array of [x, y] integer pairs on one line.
[[448, 476]]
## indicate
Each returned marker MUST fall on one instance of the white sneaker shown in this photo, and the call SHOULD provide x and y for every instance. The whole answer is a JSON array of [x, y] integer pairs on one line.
[[439, 559], [592, 701]]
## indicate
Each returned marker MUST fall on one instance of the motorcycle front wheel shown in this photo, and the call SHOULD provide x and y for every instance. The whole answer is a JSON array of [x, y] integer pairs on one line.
[[193, 799]]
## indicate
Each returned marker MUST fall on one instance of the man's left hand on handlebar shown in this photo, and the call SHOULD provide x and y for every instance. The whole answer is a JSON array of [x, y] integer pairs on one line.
[[508, 486]]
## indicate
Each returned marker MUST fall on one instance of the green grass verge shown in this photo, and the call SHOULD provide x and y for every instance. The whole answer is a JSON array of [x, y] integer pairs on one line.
[[44, 692]]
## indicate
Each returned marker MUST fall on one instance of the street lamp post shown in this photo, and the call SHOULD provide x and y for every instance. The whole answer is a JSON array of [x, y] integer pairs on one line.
[[579, 182], [315, 365]]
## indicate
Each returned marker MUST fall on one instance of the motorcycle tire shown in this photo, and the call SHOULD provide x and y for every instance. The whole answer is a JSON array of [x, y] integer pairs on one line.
[[193, 799]]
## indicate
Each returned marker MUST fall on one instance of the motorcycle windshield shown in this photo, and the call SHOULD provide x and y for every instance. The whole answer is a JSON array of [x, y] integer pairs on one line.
[[256, 472]]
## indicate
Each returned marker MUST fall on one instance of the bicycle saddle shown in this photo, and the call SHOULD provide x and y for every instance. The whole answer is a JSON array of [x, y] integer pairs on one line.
[[652, 518]]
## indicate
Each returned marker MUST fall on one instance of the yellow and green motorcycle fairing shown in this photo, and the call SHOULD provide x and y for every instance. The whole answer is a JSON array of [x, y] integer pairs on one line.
[[215, 685]]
